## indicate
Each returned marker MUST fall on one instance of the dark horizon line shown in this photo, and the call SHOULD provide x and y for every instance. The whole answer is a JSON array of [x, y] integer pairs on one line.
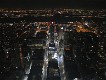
[[54, 4]]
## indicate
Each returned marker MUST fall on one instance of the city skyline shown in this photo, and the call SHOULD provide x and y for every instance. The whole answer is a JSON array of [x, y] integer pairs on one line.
[[52, 40], [52, 44]]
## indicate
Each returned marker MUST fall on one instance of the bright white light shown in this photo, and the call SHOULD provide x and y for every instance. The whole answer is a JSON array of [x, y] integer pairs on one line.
[[61, 57], [70, 30], [56, 42], [71, 22], [92, 46], [25, 78], [61, 27], [76, 79], [11, 24], [28, 70], [86, 24], [55, 56]]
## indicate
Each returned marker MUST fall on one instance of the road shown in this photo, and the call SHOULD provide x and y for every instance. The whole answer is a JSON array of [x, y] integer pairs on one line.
[[60, 52], [45, 65], [61, 58]]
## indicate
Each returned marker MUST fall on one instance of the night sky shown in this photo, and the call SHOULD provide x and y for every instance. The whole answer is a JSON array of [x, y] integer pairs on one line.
[[53, 3]]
